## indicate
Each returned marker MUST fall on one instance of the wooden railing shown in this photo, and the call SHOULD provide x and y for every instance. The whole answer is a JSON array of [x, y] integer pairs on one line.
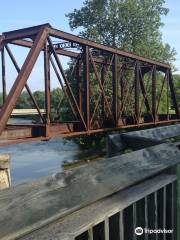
[[149, 205], [104, 200]]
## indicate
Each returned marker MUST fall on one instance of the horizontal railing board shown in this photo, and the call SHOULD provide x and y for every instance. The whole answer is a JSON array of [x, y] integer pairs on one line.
[[158, 133], [140, 139], [29, 206], [80, 221], [137, 142]]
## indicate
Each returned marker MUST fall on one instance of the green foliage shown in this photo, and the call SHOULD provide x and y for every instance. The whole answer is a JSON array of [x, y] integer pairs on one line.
[[60, 106], [39, 96], [56, 97], [60, 109], [94, 142], [133, 25], [176, 78], [24, 101]]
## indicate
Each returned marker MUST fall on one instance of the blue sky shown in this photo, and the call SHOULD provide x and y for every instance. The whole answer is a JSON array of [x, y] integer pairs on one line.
[[171, 29], [20, 13]]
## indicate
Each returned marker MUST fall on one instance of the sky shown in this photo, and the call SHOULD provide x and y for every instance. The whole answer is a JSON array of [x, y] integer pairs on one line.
[[17, 14], [171, 29]]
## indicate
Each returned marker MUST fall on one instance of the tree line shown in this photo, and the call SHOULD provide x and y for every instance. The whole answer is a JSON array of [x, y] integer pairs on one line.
[[57, 97]]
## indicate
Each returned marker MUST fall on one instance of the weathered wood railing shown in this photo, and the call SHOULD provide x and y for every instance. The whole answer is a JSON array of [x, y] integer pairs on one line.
[[149, 205], [117, 143], [104, 200]]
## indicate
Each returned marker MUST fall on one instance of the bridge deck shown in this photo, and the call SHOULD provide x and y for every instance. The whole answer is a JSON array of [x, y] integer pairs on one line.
[[19, 133], [26, 112]]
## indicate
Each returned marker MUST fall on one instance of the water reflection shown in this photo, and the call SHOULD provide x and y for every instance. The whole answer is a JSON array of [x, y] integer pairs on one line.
[[37, 159]]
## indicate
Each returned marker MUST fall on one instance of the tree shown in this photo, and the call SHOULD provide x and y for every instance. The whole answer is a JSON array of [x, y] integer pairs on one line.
[[176, 78], [132, 25], [39, 96], [24, 101]]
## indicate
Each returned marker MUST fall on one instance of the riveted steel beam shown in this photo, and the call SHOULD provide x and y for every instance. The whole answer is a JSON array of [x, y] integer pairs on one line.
[[24, 33], [79, 40]]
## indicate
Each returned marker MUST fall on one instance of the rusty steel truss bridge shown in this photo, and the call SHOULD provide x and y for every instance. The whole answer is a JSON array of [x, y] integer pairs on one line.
[[106, 89]]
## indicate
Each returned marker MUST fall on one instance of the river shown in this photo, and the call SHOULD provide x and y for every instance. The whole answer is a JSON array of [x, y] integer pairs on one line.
[[36, 159], [33, 160]]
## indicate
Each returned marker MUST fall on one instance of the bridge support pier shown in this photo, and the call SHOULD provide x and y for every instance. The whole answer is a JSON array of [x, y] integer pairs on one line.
[[5, 178]]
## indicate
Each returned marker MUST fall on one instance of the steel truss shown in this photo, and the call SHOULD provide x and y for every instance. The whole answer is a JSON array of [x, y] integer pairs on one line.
[[114, 89]]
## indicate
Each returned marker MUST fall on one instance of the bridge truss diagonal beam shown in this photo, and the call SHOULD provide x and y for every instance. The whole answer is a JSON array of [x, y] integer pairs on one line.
[[22, 78]]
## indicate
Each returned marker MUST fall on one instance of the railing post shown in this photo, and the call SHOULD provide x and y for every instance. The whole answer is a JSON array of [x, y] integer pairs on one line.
[[164, 210], [146, 217], [156, 213], [177, 195], [90, 234], [106, 228], [134, 220], [121, 225]]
